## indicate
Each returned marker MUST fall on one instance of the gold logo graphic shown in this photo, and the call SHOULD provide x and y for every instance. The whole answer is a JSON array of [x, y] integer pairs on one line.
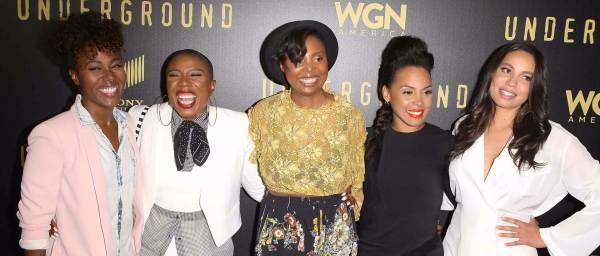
[[268, 88], [135, 71], [163, 13], [374, 18], [530, 28], [443, 93], [364, 93], [583, 102]]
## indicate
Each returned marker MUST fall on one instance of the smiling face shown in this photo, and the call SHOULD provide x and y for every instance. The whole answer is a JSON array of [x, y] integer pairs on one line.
[[308, 77], [101, 79], [410, 96], [511, 83], [189, 85]]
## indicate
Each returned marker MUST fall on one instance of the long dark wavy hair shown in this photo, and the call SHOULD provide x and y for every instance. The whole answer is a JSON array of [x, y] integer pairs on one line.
[[531, 126], [400, 52]]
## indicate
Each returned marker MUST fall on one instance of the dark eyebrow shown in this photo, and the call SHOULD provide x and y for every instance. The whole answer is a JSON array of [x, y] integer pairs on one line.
[[528, 73], [195, 69], [524, 72], [99, 62], [408, 86], [92, 61]]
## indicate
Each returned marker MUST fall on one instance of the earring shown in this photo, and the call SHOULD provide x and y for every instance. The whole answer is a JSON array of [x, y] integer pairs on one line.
[[164, 99], [212, 101]]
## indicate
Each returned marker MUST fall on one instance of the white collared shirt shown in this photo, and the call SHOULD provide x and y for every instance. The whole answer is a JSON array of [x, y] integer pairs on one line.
[[119, 171], [507, 192]]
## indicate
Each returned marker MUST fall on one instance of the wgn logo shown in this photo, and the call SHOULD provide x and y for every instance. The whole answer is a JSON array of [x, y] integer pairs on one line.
[[135, 71], [375, 18], [584, 103]]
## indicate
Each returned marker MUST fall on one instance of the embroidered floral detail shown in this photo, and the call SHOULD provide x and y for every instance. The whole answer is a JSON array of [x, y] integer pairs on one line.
[[334, 235], [309, 151]]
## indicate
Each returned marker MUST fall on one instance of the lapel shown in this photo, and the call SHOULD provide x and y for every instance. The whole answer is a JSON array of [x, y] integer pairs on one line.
[[213, 131], [89, 146], [489, 187], [153, 151], [138, 213], [164, 153], [210, 169], [502, 178]]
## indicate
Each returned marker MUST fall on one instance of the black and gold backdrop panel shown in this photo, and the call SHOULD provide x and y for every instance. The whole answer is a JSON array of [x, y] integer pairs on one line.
[[460, 34]]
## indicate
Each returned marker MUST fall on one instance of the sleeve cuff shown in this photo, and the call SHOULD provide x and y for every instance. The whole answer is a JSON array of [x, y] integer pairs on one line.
[[546, 234], [446, 203], [40, 244]]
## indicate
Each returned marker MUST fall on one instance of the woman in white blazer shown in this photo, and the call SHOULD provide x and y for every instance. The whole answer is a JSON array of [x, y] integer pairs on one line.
[[195, 158], [510, 164]]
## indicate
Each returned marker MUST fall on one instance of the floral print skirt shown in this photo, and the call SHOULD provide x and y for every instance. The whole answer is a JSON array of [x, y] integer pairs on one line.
[[319, 226]]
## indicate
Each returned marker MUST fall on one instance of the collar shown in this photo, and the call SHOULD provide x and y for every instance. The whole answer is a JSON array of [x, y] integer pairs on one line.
[[85, 118], [201, 119]]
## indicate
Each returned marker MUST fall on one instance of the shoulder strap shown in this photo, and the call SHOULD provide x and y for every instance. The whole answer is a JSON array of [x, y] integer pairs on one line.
[[138, 127]]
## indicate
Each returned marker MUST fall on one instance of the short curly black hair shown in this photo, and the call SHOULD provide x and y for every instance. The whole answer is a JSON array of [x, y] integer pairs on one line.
[[85, 33]]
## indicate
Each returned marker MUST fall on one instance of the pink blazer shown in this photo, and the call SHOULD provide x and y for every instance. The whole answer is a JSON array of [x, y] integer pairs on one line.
[[63, 179]]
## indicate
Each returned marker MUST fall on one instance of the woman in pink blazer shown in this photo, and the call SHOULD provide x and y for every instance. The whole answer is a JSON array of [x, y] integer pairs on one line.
[[81, 168]]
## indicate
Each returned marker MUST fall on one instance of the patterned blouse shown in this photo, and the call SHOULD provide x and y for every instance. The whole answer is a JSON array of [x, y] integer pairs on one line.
[[308, 151]]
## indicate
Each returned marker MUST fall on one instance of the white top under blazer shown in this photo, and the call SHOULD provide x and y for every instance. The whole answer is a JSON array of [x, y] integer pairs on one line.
[[219, 179], [505, 192]]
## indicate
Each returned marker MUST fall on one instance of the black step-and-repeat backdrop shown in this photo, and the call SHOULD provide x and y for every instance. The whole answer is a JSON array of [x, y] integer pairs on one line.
[[460, 34]]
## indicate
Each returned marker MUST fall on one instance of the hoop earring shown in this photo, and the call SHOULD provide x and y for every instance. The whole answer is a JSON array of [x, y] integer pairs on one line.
[[164, 99], [212, 99], [160, 97]]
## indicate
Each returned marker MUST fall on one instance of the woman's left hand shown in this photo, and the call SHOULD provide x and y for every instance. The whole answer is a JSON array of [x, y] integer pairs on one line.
[[53, 229], [526, 233], [347, 196]]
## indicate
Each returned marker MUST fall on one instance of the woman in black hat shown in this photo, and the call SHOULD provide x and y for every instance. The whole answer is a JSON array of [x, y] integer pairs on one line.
[[309, 148]]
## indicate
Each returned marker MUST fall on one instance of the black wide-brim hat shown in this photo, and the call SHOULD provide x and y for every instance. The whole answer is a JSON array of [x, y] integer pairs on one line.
[[269, 48]]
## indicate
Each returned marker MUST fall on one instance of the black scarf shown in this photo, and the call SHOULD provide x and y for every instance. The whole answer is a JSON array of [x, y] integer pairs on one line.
[[189, 141]]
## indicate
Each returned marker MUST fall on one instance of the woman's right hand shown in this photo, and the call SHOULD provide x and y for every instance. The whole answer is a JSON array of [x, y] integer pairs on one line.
[[53, 233], [347, 196]]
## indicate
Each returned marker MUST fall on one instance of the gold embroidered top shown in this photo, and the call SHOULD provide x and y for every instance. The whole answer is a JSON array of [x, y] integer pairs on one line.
[[306, 151]]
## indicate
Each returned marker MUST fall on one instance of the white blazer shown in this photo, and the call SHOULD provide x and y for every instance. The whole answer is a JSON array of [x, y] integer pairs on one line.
[[505, 192], [226, 170]]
